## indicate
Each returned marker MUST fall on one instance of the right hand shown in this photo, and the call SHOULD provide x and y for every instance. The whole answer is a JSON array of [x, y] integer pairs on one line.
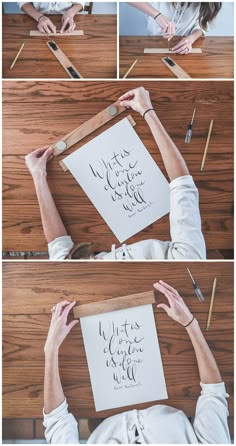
[[36, 161], [177, 310], [137, 99], [45, 25], [168, 27], [59, 329]]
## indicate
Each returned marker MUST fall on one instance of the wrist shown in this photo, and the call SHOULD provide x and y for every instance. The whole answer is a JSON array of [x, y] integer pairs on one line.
[[50, 350], [39, 17], [39, 177], [147, 111], [192, 325]]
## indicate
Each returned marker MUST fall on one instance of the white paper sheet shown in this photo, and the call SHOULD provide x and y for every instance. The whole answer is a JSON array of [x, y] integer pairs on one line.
[[123, 357], [121, 179]]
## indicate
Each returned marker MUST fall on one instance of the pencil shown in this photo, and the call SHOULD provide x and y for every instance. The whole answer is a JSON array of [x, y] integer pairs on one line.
[[132, 66], [14, 61], [211, 304], [207, 144]]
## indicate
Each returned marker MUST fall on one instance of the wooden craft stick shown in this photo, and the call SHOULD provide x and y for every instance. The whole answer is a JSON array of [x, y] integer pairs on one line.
[[64, 61], [64, 167], [130, 68], [211, 304], [14, 61], [206, 146], [167, 50], [78, 32], [87, 127], [117, 303], [176, 69]]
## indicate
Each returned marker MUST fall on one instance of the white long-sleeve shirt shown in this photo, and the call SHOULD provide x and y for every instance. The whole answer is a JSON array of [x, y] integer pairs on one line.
[[186, 18], [187, 240], [156, 425], [51, 7]]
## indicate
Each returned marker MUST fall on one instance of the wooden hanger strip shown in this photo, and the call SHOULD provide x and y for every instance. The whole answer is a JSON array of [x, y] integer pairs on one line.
[[118, 303], [64, 61], [65, 168], [176, 69], [88, 127], [78, 32], [167, 51]]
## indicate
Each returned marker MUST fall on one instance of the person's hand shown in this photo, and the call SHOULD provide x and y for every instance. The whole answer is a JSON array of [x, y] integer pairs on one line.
[[177, 309], [68, 23], [167, 27], [59, 329], [184, 46], [45, 25], [137, 99], [37, 160]]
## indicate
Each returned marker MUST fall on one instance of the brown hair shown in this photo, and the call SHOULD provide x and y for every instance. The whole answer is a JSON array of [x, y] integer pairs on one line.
[[81, 251], [208, 11]]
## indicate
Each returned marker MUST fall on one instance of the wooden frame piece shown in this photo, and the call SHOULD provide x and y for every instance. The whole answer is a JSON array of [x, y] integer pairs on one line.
[[88, 127], [167, 51], [63, 59], [130, 119], [117, 303], [176, 69], [78, 32]]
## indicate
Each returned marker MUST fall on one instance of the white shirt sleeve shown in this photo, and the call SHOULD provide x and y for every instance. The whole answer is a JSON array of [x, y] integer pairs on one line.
[[187, 240], [44, 7], [210, 422], [61, 426], [59, 248], [20, 4]]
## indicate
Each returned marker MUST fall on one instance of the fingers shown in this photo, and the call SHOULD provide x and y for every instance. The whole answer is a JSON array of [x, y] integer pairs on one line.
[[67, 309], [72, 324], [52, 27], [38, 152], [64, 25], [59, 308], [126, 103], [48, 154], [127, 96], [164, 307], [170, 288]]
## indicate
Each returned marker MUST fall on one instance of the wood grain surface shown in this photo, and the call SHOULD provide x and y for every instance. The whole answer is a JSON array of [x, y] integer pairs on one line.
[[94, 54], [30, 289], [216, 60], [39, 113]]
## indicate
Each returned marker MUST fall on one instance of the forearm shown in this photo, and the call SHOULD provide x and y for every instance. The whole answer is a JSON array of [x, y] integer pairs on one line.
[[172, 158], [31, 11], [196, 35], [53, 226], [77, 7], [53, 392], [208, 369], [145, 7]]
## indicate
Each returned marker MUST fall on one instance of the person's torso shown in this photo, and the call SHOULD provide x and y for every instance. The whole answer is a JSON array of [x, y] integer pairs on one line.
[[185, 17], [52, 7]]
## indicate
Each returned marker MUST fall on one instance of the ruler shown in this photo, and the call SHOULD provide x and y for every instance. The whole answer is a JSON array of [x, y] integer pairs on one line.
[[63, 59], [77, 32], [176, 69], [166, 50], [131, 121], [88, 127]]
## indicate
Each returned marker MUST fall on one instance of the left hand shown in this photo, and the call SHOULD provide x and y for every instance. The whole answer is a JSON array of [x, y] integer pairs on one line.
[[184, 46], [68, 23], [59, 329]]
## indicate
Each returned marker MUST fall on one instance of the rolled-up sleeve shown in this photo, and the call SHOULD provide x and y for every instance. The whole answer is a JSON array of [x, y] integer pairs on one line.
[[59, 248], [210, 422], [20, 4], [187, 241], [61, 426]]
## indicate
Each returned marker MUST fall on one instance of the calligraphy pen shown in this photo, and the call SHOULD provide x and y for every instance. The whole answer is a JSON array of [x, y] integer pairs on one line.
[[196, 288]]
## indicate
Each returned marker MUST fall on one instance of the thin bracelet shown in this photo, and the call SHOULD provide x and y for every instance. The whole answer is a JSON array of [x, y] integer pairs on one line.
[[147, 111], [159, 13], [41, 17], [189, 322]]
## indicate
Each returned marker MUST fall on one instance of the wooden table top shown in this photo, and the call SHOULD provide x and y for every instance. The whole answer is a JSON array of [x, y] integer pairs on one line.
[[51, 110], [94, 54], [216, 60], [31, 289]]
